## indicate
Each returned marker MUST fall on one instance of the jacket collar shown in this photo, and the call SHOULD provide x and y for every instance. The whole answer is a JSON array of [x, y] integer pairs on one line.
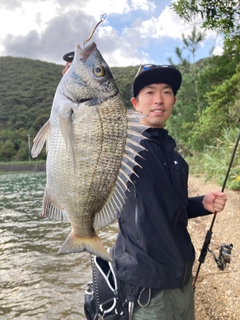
[[159, 136]]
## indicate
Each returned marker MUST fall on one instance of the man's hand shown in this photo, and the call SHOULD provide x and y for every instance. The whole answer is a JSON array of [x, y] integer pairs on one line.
[[214, 201], [67, 65]]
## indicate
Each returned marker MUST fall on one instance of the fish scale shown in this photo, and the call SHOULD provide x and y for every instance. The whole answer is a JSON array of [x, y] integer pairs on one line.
[[92, 142]]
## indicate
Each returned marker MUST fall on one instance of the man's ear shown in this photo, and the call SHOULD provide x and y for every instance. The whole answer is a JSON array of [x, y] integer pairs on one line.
[[134, 103]]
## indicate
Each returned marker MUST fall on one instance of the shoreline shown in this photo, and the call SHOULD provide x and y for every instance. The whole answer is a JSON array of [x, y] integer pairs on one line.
[[23, 167]]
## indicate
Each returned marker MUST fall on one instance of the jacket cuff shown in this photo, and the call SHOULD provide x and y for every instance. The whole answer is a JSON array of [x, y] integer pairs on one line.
[[195, 207]]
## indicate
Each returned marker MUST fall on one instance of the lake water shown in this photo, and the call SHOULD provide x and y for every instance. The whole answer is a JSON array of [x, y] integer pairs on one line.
[[35, 282]]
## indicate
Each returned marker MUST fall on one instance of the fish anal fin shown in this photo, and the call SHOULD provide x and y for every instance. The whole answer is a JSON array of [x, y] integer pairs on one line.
[[52, 209], [75, 243]]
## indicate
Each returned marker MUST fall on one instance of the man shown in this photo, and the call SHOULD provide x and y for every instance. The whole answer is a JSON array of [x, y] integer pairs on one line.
[[68, 57], [153, 249], [153, 254]]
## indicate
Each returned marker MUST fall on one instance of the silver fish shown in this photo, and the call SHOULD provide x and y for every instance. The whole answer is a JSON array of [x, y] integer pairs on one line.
[[91, 142]]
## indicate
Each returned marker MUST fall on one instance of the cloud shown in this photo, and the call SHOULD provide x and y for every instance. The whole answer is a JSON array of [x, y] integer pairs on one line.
[[10, 4], [143, 5], [57, 38], [13, 4], [167, 25], [47, 29], [51, 39]]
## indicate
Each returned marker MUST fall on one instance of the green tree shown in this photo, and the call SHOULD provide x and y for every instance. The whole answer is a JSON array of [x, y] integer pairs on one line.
[[219, 15], [191, 43], [7, 150], [189, 105], [221, 114], [23, 153]]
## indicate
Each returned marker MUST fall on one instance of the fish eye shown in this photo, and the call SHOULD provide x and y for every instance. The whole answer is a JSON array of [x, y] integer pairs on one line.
[[99, 71]]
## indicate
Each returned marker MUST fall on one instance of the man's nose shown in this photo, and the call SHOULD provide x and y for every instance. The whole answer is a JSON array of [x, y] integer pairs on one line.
[[158, 99]]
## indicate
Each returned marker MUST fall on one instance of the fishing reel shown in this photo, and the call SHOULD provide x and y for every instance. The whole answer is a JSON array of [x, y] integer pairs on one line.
[[224, 255]]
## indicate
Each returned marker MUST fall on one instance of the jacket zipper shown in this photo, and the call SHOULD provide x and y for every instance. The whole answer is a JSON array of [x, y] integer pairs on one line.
[[166, 163], [184, 256], [136, 210], [171, 179]]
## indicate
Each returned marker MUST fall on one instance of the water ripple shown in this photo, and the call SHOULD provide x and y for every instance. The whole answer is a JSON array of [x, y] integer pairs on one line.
[[35, 282]]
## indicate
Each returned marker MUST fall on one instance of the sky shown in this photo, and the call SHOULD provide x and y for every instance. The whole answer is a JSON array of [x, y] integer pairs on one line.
[[133, 32]]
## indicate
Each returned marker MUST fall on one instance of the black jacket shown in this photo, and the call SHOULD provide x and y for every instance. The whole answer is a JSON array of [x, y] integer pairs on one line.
[[153, 248]]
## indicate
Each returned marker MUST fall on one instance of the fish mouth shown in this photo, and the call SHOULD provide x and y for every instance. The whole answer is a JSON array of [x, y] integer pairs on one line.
[[84, 100], [77, 100]]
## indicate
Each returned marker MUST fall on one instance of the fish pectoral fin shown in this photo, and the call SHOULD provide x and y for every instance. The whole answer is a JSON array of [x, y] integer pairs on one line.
[[41, 137], [52, 209], [74, 244], [68, 136]]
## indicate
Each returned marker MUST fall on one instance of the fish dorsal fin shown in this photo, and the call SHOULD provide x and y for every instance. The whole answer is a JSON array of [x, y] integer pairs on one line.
[[132, 148], [41, 137], [52, 209]]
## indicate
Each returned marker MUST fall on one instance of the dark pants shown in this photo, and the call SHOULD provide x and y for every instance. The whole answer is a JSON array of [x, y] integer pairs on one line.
[[170, 304]]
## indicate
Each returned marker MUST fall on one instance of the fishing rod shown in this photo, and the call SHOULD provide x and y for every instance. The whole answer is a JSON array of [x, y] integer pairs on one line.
[[225, 249]]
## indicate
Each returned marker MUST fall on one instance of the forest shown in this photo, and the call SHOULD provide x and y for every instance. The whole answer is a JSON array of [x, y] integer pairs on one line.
[[206, 118]]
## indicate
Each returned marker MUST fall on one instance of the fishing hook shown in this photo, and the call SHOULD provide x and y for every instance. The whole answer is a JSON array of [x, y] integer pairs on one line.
[[103, 17], [209, 232]]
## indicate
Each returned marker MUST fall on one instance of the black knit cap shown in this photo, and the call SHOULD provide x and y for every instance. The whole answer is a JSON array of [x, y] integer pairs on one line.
[[69, 56], [157, 74]]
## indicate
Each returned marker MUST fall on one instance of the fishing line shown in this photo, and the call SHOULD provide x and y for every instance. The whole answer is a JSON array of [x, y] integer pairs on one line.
[[102, 18], [110, 6]]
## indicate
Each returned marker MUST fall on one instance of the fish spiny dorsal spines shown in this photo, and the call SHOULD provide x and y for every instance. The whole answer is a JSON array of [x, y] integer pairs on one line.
[[121, 182], [130, 161], [132, 153], [135, 147], [120, 193], [116, 202], [132, 149], [124, 175]]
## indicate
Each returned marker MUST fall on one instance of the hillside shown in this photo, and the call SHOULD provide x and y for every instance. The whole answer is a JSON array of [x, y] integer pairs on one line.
[[207, 106], [26, 91], [27, 88]]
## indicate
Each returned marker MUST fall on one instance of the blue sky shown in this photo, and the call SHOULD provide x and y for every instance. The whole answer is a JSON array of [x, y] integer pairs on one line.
[[134, 31]]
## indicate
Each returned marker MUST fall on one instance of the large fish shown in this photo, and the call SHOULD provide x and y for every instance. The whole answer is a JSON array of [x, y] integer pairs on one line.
[[91, 143]]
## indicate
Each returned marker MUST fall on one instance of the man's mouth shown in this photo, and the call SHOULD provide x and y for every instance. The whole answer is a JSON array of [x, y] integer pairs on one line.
[[157, 111]]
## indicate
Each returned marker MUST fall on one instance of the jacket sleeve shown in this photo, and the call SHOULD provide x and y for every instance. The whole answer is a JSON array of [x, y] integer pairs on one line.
[[195, 207]]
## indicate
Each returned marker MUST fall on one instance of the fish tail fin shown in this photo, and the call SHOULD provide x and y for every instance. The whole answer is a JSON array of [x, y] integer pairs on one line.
[[74, 244]]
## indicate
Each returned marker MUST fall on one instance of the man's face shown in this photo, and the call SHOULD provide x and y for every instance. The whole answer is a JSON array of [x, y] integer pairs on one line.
[[156, 101], [67, 65]]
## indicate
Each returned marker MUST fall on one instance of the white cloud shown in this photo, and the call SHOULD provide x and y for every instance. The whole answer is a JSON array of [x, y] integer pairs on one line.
[[46, 29], [30, 16], [167, 24], [143, 4]]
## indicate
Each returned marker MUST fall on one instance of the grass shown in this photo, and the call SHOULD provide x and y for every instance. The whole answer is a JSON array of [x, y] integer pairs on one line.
[[213, 163]]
